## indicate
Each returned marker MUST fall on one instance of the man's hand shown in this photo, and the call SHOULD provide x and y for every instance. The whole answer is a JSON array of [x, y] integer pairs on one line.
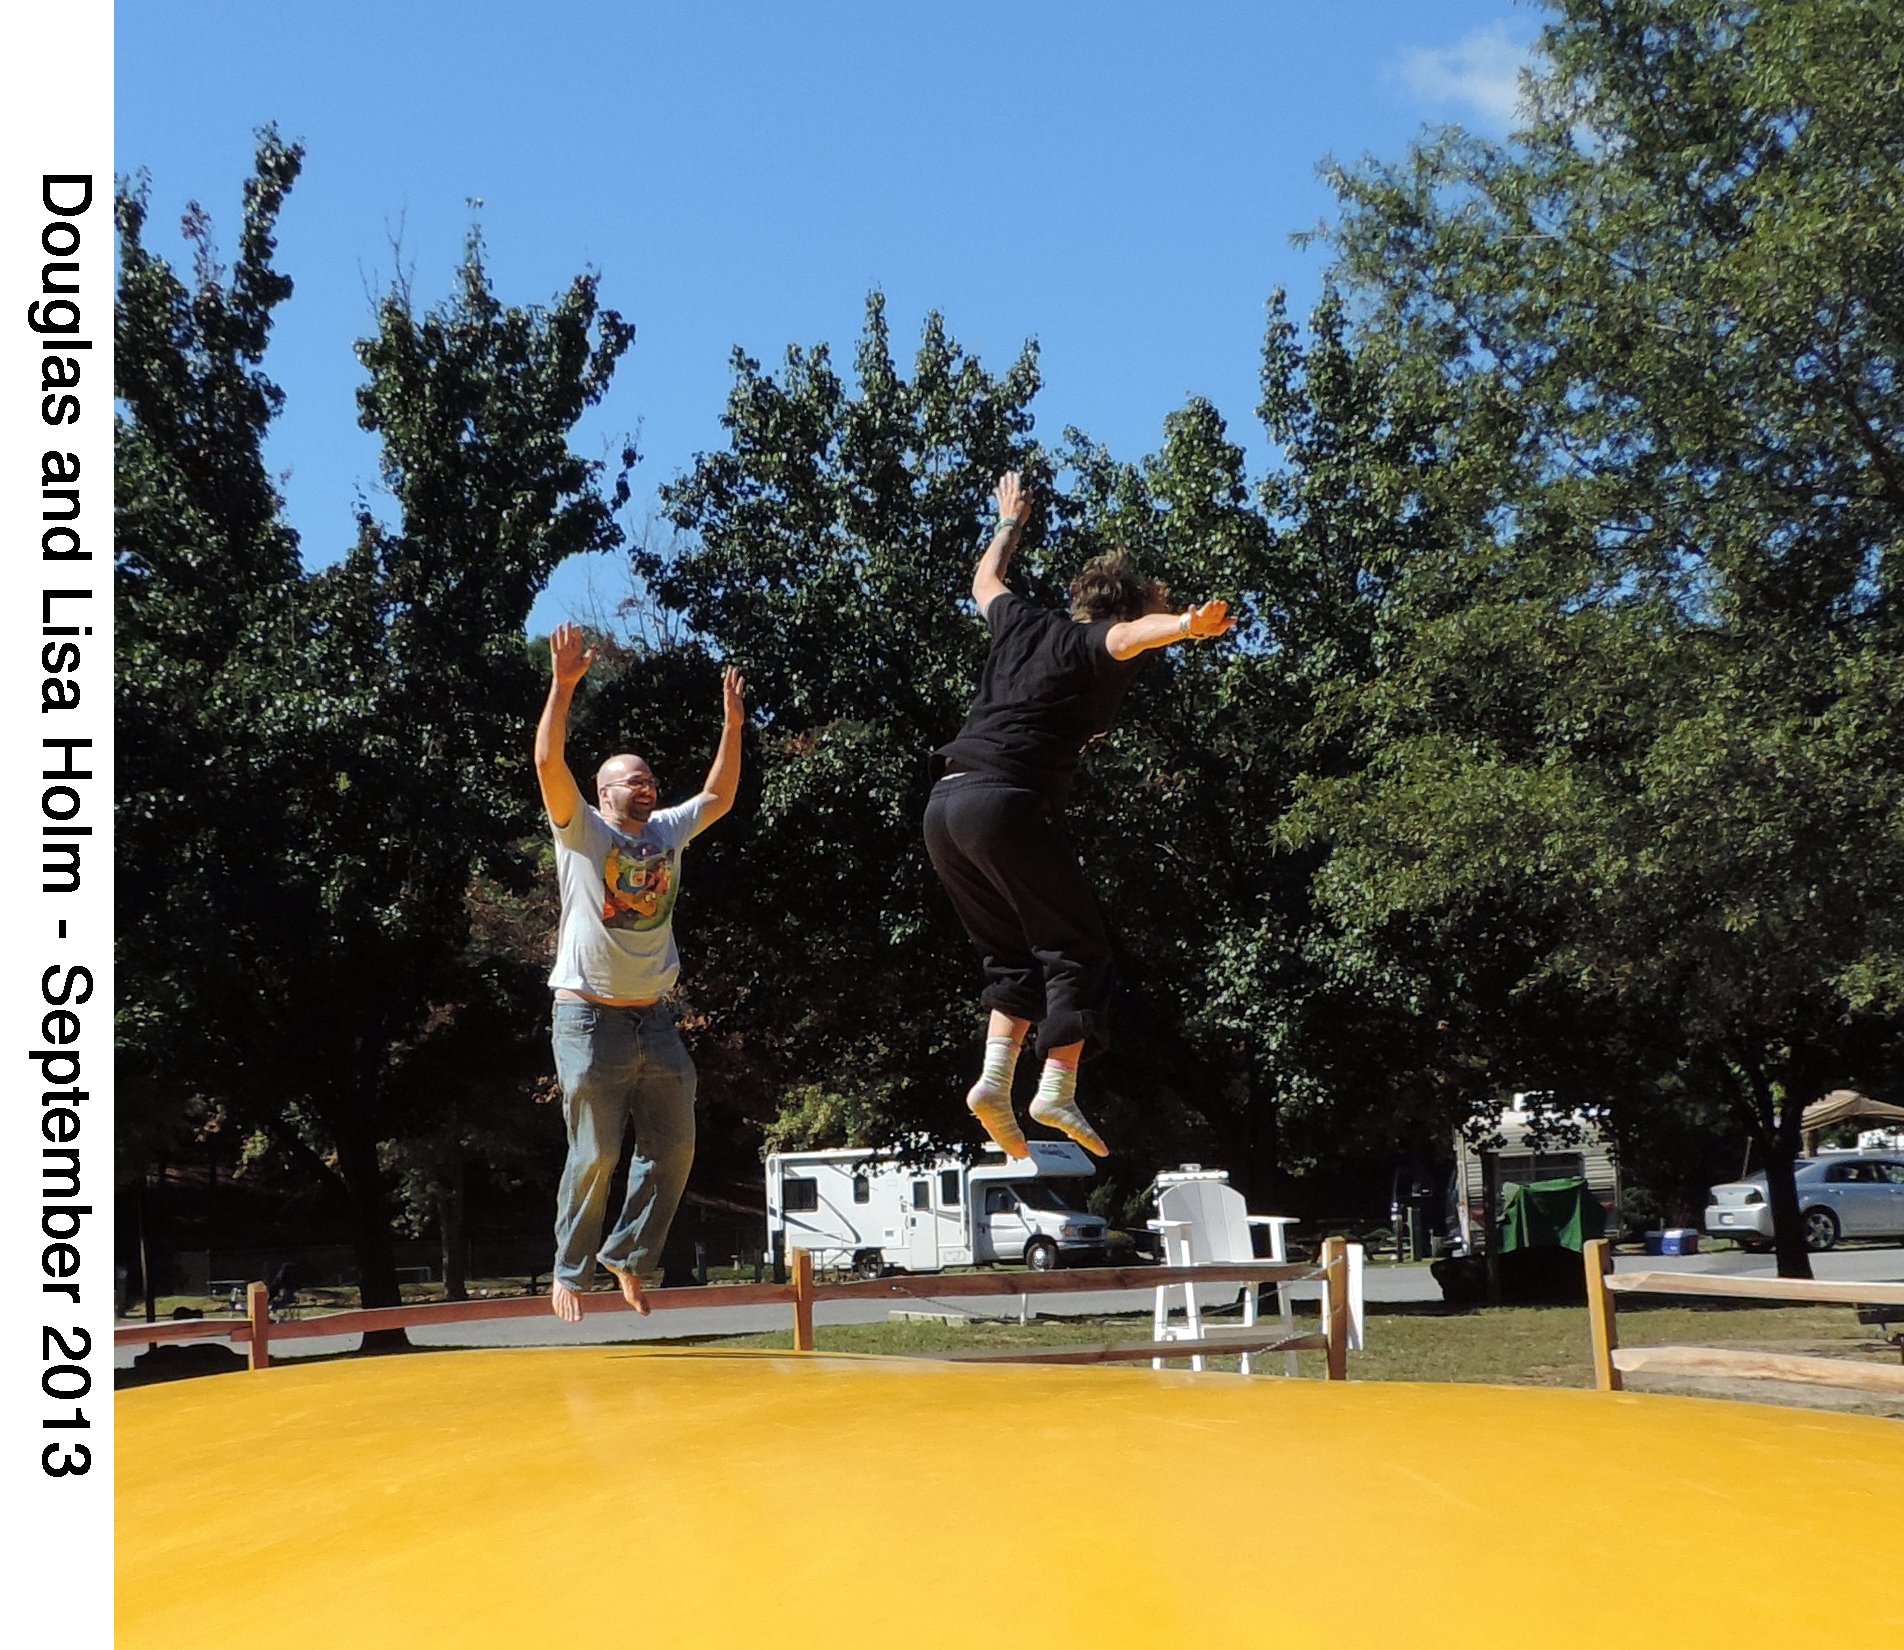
[[569, 660], [1210, 619], [1014, 501], [723, 778], [569, 655]]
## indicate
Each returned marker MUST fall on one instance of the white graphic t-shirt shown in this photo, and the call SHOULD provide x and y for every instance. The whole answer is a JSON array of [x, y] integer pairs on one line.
[[618, 894]]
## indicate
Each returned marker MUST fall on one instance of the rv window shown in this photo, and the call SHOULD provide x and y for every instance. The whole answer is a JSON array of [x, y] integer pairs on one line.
[[1035, 1194], [862, 1189], [999, 1201], [1523, 1168], [922, 1194], [949, 1188], [798, 1195]]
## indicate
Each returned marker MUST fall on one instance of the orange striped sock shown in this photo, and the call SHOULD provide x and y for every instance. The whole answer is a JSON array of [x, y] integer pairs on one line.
[[989, 1099], [1056, 1108]]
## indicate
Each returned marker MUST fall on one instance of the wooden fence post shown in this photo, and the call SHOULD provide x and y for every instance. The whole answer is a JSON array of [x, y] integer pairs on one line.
[[1602, 1313], [801, 1265], [258, 1310], [1335, 1259]]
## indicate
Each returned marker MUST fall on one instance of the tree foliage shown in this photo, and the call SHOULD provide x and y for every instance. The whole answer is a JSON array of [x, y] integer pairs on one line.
[[202, 556], [328, 760], [830, 550], [1560, 747], [1642, 715]]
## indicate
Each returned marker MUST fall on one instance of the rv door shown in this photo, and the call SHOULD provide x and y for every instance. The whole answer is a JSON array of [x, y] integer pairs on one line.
[[922, 1226], [1005, 1228]]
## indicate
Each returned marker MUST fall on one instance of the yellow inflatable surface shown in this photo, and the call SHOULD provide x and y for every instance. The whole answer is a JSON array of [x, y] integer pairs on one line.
[[608, 1497]]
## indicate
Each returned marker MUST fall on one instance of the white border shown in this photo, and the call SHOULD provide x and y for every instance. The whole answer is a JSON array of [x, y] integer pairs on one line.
[[57, 94]]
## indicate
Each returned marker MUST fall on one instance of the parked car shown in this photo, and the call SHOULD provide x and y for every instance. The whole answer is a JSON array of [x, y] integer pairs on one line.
[[1840, 1195]]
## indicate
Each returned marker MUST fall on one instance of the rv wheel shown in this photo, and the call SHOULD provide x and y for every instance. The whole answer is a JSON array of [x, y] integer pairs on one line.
[[869, 1264], [1041, 1254]]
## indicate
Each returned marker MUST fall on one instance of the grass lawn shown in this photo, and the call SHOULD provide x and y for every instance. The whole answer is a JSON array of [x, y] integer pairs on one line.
[[1510, 1345]]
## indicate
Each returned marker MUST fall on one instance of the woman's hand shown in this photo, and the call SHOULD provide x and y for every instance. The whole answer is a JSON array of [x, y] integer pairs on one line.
[[1014, 501], [1208, 619]]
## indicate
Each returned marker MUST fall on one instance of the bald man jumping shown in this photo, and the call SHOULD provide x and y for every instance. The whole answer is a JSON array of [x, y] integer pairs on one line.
[[619, 1059]]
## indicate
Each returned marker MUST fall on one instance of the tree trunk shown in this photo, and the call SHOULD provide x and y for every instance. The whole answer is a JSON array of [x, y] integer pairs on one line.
[[1775, 1111], [370, 1222], [1212, 1083], [1232, 1142], [450, 1205], [1781, 1191], [146, 1287]]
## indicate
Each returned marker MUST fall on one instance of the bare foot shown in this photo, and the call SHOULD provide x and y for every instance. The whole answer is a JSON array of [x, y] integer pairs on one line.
[[630, 1288], [565, 1302]]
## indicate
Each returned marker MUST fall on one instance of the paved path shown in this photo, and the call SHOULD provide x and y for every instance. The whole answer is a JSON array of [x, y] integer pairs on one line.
[[1384, 1282]]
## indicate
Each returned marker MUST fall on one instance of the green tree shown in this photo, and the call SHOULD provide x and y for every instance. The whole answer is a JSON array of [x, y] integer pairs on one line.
[[830, 550], [1176, 820], [1641, 717], [482, 1055], [357, 763], [203, 559]]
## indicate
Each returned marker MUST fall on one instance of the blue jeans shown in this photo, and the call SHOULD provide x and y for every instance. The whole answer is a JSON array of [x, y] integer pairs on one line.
[[617, 1067]]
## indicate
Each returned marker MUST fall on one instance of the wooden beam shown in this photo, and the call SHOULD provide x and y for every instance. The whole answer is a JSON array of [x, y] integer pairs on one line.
[[802, 1269], [927, 1286], [1335, 1259], [1217, 1344], [258, 1310], [1085, 1280], [180, 1329], [358, 1321], [1603, 1322], [1797, 1291], [1761, 1366]]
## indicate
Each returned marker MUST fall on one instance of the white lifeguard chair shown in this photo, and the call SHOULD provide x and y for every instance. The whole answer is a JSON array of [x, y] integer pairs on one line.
[[1203, 1220]]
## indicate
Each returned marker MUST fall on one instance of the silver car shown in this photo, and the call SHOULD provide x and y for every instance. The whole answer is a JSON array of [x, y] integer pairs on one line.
[[1840, 1195]]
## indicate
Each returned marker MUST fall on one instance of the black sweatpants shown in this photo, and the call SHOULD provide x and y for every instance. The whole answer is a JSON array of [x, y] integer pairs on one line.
[[1016, 884]]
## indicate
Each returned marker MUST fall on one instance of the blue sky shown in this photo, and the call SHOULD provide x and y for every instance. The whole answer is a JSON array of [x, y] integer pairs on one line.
[[1119, 181]]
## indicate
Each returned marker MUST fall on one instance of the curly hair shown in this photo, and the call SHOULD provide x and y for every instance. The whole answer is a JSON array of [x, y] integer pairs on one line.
[[1110, 588]]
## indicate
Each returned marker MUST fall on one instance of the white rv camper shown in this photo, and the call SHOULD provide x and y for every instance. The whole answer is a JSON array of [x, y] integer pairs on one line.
[[1520, 1162], [874, 1210]]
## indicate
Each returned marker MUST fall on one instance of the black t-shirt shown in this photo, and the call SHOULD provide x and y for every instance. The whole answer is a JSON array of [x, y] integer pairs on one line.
[[1050, 686]]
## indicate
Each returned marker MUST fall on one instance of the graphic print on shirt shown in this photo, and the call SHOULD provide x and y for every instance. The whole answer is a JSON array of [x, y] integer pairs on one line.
[[639, 885]]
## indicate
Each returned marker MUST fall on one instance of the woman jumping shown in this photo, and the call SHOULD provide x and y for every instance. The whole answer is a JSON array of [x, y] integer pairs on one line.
[[995, 823]]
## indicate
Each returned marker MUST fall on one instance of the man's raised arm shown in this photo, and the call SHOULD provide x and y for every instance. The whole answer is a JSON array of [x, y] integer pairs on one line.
[[1014, 504], [723, 778], [569, 661]]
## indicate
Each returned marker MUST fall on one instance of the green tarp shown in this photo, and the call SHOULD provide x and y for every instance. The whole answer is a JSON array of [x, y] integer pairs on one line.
[[1551, 1214]]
